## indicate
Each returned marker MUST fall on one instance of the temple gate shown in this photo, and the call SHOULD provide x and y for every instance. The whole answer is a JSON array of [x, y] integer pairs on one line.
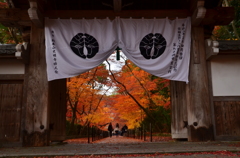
[[198, 110]]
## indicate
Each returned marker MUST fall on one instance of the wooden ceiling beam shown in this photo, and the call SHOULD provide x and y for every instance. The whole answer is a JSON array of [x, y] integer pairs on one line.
[[89, 14], [14, 17], [217, 16]]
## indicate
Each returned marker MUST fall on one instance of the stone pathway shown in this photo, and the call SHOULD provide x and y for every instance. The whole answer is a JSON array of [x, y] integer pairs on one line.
[[127, 147]]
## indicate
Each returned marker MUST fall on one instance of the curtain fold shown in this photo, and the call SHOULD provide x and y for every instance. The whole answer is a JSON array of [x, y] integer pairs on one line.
[[76, 46], [158, 46]]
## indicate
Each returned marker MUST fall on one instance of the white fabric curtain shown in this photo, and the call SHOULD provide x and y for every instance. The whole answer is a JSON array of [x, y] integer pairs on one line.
[[158, 46], [76, 46]]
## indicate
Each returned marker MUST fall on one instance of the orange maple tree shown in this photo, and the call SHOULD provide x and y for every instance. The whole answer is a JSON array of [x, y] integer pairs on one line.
[[85, 98], [136, 94]]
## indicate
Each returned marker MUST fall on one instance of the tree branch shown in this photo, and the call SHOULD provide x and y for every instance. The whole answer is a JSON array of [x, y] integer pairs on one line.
[[135, 100]]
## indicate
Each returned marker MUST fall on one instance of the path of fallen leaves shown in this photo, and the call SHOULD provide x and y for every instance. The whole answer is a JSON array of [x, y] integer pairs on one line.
[[118, 139], [216, 154]]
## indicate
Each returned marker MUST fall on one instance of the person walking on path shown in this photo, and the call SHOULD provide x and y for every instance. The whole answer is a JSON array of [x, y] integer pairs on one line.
[[124, 129], [110, 129], [116, 129]]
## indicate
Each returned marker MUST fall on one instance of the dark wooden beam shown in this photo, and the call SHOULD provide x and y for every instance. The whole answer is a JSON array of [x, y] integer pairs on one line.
[[89, 14], [229, 52], [228, 138], [14, 17], [8, 77], [226, 98], [217, 16]]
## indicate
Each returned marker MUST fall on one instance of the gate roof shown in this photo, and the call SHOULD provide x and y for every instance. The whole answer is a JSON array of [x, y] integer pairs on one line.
[[207, 13], [109, 4]]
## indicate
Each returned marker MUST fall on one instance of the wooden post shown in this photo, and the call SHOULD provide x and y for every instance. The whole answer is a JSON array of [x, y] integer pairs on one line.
[[35, 104], [179, 122], [150, 132], [200, 127], [92, 134], [57, 110], [144, 133], [88, 133]]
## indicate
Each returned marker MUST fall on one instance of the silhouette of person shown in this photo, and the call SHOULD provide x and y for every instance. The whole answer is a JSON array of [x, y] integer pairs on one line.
[[116, 129], [124, 129], [110, 129]]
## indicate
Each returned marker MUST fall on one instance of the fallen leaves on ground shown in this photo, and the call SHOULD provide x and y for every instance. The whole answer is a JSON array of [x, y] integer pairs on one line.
[[160, 139], [78, 141], [216, 153], [154, 139], [236, 144], [132, 140]]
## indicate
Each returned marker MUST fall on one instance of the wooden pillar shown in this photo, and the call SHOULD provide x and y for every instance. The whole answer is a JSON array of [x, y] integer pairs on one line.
[[179, 121], [35, 115], [200, 127], [57, 110]]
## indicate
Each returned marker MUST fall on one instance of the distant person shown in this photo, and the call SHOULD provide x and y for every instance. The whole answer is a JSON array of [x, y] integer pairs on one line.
[[124, 129], [110, 129], [116, 129]]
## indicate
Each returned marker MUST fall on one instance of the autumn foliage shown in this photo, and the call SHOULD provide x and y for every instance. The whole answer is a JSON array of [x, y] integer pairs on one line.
[[136, 96], [3, 4], [140, 94], [9, 35], [85, 98], [231, 31]]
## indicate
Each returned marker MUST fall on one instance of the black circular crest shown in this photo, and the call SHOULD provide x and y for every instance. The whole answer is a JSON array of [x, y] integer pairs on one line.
[[84, 40], [150, 41]]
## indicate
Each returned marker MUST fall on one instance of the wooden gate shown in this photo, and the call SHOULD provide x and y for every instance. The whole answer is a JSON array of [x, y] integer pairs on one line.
[[227, 120], [10, 110]]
